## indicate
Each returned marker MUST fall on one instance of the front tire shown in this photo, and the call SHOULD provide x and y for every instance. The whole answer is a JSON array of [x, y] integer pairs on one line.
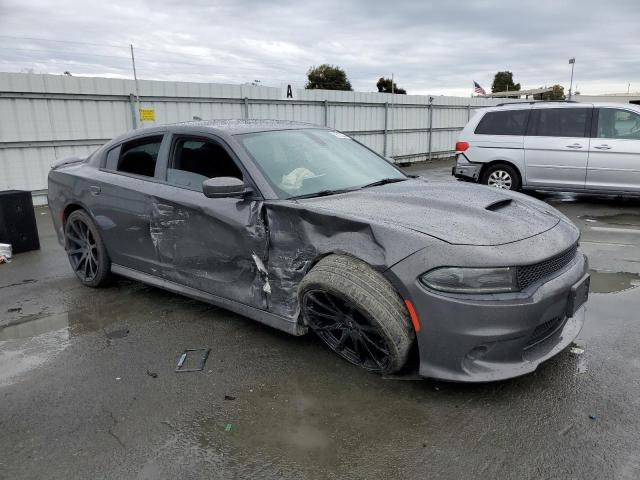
[[86, 251], [357, 313], [501, 175]]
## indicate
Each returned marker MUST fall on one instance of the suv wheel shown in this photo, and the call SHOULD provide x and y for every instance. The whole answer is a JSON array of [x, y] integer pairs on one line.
[[501, 176]]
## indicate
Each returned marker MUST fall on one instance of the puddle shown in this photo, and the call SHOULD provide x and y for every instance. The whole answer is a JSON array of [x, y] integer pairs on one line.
[[612, 282], [18, 356], [32, 327], [75, 323], [34, 340]]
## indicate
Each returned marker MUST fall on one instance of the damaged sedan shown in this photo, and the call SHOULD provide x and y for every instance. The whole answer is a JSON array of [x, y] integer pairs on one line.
[[302, 228]]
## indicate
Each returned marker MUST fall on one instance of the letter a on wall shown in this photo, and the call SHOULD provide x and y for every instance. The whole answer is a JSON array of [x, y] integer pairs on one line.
[[287, 91]]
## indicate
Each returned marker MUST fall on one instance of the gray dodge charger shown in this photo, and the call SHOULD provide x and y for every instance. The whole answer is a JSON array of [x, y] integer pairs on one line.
[[301, 227]]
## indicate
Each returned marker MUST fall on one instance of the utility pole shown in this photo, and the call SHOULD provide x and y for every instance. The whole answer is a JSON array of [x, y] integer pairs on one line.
[[572, 62], [135, 78]]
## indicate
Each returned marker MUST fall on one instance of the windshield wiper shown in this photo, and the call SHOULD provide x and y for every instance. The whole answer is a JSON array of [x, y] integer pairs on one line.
[[324, 193], [321, 193], [384, 181]]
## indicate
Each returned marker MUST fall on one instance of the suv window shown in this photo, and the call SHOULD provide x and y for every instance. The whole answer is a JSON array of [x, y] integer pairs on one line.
[[559, 122], [139, 156], [614, 123], [196, 160], [508, 122]]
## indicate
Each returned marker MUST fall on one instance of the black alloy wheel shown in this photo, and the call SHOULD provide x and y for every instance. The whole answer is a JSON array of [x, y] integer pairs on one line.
[[346, 330]]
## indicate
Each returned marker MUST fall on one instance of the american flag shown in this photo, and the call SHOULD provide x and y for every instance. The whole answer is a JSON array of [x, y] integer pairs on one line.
[[478, 89]]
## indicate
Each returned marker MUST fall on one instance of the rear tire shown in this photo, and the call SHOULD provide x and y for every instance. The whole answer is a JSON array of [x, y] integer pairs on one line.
[[357, 313], [501, 175], [87, 254]]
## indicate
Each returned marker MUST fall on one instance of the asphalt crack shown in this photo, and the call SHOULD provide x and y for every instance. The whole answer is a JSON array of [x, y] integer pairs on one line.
[[110, 429]]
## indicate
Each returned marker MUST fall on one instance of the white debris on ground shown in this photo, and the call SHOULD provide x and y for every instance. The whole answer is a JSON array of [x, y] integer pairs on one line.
[[5, 253]]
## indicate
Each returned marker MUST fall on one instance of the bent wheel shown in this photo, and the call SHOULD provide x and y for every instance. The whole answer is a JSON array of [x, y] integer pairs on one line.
[[357, 313], [87, 254]]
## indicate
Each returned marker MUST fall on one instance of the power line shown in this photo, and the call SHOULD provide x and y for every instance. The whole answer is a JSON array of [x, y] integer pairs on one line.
[[58, 51], [62, 41]]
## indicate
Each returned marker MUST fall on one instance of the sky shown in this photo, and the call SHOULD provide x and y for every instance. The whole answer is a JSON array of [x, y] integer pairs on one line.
[[431, 47]]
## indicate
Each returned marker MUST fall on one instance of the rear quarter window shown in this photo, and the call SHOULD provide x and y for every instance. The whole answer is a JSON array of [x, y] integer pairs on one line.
[[137, 157], [508, 122]]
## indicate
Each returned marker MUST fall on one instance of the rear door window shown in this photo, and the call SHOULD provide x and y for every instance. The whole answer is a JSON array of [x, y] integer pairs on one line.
[[138, 157], [616, 123], [507, 122], [559, 122]]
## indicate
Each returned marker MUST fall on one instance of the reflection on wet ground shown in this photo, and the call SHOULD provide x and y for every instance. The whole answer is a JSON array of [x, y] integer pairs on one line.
[[32, 327], [631, 219], [33, 350]]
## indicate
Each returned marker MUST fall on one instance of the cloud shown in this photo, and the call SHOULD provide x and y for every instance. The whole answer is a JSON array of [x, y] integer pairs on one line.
[[431, 47]]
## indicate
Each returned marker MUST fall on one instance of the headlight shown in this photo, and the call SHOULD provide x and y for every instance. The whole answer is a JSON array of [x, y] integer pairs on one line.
[[471, 280]]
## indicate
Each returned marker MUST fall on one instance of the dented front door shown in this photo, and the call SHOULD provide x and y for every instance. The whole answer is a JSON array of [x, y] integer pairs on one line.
[[209, 243]]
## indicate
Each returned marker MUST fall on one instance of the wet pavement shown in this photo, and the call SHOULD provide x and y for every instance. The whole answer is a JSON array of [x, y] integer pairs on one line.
[[88, 387]]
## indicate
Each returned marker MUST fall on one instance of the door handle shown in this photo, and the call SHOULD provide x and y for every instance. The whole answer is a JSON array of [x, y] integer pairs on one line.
[[603, 147], [95, 190], [575, 145]]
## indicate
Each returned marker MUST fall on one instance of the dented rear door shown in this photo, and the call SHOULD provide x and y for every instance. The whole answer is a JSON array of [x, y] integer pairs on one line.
[[121, 205]]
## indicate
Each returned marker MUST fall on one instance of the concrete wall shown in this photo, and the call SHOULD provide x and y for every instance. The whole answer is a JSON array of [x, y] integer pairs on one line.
[[48, 117]]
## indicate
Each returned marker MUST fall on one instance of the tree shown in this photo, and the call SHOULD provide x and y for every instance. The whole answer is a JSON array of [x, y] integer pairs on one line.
[[384, 86], [556, 94], [503, 81], [327, 77]]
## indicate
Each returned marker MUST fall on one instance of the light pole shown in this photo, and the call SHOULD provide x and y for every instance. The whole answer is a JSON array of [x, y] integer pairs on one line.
[[572, 62]]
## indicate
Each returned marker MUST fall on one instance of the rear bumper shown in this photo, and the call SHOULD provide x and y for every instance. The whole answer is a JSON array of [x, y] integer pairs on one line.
[[465, 170], [478, 340]]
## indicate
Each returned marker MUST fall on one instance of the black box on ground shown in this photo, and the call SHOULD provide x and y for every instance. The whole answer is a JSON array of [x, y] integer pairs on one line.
[[18, 221]]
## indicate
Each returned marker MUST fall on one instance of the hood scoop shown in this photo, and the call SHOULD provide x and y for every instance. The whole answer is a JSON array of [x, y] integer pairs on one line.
[[499, 205]]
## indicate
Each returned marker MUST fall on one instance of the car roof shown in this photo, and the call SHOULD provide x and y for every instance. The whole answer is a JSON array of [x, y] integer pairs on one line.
[[559, 104], [226, 126], [240, 126]]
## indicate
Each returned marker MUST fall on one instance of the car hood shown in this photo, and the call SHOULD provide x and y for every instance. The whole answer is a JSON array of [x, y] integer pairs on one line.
[[456, 213]]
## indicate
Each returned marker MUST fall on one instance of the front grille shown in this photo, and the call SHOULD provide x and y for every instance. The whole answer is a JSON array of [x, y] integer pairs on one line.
[[544, 331], [530, 274]]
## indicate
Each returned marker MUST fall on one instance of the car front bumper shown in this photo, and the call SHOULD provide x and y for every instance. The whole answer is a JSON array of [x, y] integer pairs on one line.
[[475, 339]]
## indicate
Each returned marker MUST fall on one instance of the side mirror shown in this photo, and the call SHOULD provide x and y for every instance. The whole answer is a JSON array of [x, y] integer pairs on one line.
[[221, 187]]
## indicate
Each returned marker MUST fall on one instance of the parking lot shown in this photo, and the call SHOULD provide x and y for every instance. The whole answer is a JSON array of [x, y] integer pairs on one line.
[[88, 387]]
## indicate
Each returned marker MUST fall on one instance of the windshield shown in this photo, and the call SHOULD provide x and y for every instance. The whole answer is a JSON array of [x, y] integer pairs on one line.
[[308, 162]]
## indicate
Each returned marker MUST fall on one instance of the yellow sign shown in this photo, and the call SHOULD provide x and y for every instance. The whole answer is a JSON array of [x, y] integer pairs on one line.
[[147, 114]]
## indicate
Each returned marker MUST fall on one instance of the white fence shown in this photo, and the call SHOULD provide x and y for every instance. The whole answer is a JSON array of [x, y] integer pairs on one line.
[[48, 117]]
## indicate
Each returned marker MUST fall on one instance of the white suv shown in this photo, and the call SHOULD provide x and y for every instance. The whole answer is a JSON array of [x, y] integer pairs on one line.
[[568, 146]]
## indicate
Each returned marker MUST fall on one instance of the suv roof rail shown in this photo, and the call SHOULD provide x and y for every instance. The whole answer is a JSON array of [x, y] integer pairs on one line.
[[536, 101]]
